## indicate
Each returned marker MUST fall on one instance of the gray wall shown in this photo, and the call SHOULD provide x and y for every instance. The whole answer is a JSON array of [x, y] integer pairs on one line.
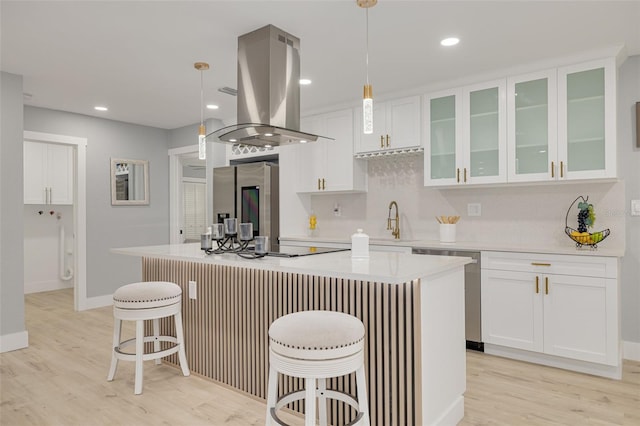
[[114, 226], [629, 171], [11, 206]]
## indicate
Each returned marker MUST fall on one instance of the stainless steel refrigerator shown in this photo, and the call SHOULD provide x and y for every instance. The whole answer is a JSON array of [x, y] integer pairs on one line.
[[250, 193]]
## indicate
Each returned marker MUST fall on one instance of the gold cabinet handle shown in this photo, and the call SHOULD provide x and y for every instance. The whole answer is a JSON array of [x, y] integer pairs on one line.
[[540, 264], [546, 285], [381, 141], [537, 284], [318, 184], [388, 141], [458, 174], [465, 175], [553, 168], [562, 169], [323, 184]]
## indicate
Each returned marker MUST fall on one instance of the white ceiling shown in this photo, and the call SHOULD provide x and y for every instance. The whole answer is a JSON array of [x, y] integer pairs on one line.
[[137, 57]]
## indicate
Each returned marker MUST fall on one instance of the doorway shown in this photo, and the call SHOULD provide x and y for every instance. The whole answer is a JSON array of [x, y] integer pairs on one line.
[[75, 247], [188, 200]]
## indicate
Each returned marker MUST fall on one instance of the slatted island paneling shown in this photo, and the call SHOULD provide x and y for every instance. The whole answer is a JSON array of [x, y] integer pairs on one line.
[[415, 347]]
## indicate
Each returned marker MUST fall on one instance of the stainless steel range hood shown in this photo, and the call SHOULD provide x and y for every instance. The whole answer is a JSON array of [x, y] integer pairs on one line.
[[268, 91]]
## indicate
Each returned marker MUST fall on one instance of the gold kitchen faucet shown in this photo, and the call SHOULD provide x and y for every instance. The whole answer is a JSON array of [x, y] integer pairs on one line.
[[396, 226]]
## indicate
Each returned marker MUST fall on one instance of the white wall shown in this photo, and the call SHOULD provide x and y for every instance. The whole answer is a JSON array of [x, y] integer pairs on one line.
[[13, 334], [114, 226], [42, 246], [629, 167]]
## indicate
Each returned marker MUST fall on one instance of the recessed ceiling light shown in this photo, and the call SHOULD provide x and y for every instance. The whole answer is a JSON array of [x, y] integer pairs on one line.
[[303, 141], [305, 81], [212, 106], [268, 134], [101, 108], [450, 41], [267, 146], [233, 140]]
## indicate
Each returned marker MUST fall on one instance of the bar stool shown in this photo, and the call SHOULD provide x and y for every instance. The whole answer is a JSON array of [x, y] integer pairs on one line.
[[147, 301], [316, 345]]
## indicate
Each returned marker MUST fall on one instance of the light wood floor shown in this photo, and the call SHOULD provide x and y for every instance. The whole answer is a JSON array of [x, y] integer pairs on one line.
[[61, 380]]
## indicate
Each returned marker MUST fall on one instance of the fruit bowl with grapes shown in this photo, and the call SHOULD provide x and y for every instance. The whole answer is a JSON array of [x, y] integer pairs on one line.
[[586, 219]]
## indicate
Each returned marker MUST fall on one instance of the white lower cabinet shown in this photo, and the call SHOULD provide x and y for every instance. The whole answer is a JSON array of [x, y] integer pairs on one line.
[[562, 306]]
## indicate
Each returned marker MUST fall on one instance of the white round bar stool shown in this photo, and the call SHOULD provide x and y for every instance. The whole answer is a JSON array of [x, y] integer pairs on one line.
[[316, 345], [147, 301]]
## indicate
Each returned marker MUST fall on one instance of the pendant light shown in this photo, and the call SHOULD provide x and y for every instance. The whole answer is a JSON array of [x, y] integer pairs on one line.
[[367, 98], [202, 132]]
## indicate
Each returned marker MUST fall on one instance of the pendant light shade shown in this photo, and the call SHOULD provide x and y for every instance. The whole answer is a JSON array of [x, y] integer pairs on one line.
[[367, 98], [202, 131]]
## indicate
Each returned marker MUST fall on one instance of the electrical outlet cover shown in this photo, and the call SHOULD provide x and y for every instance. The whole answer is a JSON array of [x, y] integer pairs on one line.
[[474, 209]]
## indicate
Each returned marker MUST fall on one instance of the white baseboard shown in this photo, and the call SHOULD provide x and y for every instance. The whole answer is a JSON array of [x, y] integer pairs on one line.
[[97, 302], [40, 286], [14, 341], [631, 351]]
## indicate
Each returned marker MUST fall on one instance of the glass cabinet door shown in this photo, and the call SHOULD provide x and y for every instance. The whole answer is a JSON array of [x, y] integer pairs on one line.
[[532, 127], [443, 137], [586, 120], [485, 115]]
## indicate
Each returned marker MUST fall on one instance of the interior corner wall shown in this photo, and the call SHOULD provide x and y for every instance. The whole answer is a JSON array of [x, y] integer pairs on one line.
[[114, 226], [629, 171], [11, 200]]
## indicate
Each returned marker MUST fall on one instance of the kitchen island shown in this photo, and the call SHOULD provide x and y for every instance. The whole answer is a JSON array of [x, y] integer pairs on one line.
[[412, 308]]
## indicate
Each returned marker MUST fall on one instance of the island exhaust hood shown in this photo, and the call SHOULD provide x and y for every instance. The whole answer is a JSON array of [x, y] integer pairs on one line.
[[268, 91]]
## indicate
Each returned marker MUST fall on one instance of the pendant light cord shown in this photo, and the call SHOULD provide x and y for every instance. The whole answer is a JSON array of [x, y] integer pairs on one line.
[[367, 56]]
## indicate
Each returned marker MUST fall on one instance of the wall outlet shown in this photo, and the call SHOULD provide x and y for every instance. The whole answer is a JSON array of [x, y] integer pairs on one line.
[[635, 207], [192, 290], [337, 210], [474, 209]]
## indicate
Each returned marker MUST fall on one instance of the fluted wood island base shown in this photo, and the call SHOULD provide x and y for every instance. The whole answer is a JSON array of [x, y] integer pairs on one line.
[[412, 308]]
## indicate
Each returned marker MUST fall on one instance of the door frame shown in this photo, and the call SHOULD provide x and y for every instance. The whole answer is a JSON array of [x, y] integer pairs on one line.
[[79, 210], [175, 191]]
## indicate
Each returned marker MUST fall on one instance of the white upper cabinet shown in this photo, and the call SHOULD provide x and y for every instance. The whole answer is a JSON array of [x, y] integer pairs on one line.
[[48, 173], [328, 165], [465, 132], [587, 120], [562, 124], [532, 127], [396, 125]]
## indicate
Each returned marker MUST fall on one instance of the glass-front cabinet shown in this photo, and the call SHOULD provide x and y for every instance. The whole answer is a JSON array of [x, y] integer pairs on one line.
[[532, 127], [587, 120], [443, 132], [465, 133]]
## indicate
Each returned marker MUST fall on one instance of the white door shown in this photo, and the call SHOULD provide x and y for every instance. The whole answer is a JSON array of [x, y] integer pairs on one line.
[[194, 205]]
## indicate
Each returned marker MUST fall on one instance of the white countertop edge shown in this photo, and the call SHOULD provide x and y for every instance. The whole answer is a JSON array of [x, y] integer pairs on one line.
[[383, 267], [466, 245]]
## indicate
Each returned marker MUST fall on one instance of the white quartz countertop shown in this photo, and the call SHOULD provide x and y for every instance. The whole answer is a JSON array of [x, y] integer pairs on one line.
[[603, 250], [386, 267]]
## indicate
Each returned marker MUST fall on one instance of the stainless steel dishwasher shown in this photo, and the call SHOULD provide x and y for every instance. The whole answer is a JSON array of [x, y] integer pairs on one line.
[[472, 320]]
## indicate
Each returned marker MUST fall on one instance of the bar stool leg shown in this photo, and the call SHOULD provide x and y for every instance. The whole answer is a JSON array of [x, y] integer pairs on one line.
[[363, 404], [182, 355], [139, 353], [156, 341], [272, 393], [310, 402], [322, 402], [117, 330]]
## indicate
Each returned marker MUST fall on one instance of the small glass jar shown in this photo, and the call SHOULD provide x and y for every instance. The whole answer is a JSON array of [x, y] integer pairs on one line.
[[231, 226], [246, 232]]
